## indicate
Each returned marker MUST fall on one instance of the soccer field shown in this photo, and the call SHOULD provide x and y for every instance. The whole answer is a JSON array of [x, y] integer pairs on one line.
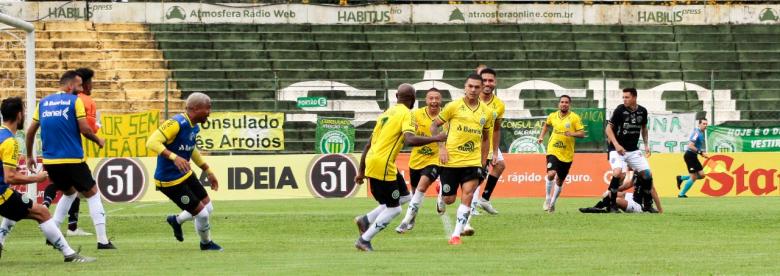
[[310, 236]]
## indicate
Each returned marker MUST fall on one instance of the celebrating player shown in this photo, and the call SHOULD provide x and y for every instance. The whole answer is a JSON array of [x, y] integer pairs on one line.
[[566, 125]]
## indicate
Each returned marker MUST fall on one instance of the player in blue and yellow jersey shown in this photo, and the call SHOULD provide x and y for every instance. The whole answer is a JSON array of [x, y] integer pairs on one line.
[[393, 129], [424, 160], [566, 125], [464, 154], [13, 206], [174, 141], [62, 120], [695, 169]]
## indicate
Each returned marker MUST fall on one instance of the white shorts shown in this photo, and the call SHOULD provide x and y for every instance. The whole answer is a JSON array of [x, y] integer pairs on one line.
[[632, 159], [632, 207]]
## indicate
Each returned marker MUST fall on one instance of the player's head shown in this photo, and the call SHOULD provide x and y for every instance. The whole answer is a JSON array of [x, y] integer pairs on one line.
[[12, 110], [433, 99], [488, 80], [473, 86], [198, 107], [629, 96], [86, 75], [564, 103], [406, 95], [703, 124], [70, 82]]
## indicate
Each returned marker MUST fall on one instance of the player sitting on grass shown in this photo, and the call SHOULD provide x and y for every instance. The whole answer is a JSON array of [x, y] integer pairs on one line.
[[625, 200]]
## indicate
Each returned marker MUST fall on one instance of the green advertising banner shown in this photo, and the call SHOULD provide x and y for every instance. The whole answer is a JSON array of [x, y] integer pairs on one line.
[[335, 135], [593, 120], [519, 135], [735, 139]]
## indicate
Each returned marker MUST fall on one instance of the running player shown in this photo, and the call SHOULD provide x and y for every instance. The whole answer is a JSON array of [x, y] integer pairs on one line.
[[14, 206], [566, 125], [495, 158], [62, 119], [695, 169], [175, 144], [628, 121], [393, 128], [463, 156], [424, 160]]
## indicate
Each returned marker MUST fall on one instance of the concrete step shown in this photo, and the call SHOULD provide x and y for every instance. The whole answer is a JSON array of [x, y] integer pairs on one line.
[[68, 26], [122, 27]]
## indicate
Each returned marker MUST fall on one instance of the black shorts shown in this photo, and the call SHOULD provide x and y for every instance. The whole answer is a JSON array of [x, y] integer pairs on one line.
[[401, 183], [692, 162], [15, 206], [560, 168], [387, 193], [431, 171], [187, 195], [64, 176], [452, 178]]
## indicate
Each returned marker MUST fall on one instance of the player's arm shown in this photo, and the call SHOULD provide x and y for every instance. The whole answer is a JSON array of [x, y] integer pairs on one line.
[[361, 173], [165, 135], [496, 138], [628, 182], [610, 131], [10, 157], [485, 146], [544, 132], [646, 140], [435, 126], [198, 160], [579, 130], [81, 116]]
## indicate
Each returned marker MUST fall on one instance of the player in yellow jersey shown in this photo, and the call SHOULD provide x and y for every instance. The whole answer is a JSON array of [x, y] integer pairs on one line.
[[463, 156], [424, 160], [393, 129], [566, 125], [495, 158]]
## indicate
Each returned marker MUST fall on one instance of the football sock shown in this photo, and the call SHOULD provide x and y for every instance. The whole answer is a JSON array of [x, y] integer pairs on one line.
[[688, 185], [49, 194], [381, 223], [183, 217], [475, 198], [5, 229], [98, 217], [210, 208], [63, 207], [404, 199], [202, 226], [375, 213], [54, 236], [685, 177], [557, 193], [548, 187], [73, 215], [489, 187], [462, 217], [414, 206]]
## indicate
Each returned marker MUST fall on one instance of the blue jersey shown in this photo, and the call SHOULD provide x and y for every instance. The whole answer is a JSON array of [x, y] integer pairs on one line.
[[697, 137], [58, 115], [180, 136]]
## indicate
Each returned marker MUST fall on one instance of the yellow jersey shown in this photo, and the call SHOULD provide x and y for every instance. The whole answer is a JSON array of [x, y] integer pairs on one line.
[[560, 145], [387, 139], [498, 106], [425, 155], [464, 140]]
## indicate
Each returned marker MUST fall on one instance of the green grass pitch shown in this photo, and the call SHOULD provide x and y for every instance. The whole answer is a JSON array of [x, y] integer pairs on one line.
[[310, 236]]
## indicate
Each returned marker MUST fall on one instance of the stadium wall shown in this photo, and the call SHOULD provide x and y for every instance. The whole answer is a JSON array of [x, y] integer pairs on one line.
[[394, 14], [331, 176]]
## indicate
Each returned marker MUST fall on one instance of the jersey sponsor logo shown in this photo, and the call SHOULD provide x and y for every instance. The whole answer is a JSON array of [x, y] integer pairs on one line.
[[56, 113], [467, 129], [186, 148], [559, 144], [425, 150], [467, 147], [58, 102]]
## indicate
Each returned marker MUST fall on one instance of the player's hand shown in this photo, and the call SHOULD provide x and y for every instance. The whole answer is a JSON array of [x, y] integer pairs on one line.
[[182, 164], [40, 177], [648, 152], [494, 161], [101, 142], [567, 133], [620, 150], [539, 140], [32, 166], [441, 137], [359, 178], [213, 181], [443, 156]]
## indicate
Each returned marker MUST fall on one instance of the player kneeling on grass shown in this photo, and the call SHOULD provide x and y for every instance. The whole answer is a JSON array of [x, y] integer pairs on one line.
[[14, 207], [175, 143], [625, 200]]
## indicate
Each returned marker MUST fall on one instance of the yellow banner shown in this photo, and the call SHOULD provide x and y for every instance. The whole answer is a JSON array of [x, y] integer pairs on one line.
[[248, 177], [244, 131], [125, 135], [727, 174]]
